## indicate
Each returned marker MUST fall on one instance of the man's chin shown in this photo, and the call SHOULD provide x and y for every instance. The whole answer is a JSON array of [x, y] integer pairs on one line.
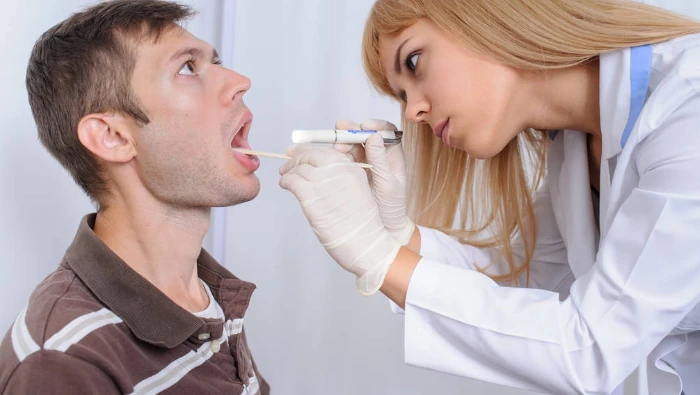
[[242, 194]]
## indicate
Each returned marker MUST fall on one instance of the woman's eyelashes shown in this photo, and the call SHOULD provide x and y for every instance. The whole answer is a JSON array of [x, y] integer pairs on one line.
[[412, 62]]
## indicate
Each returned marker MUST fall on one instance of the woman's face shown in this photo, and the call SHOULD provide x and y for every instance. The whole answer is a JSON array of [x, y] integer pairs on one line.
[[470, 101]]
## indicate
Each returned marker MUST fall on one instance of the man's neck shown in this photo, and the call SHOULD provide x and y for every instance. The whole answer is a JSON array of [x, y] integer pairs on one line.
[[161, 244]]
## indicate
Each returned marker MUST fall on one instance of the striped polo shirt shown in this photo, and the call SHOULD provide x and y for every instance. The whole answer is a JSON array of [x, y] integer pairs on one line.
[[95, 326]]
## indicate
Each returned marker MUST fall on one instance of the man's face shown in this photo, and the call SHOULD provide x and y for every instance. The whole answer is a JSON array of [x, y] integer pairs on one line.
[[196, 111]]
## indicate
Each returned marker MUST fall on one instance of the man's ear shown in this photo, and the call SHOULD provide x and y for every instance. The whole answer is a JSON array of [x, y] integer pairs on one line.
[[108, 136]]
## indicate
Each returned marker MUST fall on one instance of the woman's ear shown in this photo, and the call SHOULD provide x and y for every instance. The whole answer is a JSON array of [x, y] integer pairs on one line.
[[107, 136]]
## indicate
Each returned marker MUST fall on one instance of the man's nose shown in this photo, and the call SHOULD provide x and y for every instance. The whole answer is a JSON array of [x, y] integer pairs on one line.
[[236, 86]]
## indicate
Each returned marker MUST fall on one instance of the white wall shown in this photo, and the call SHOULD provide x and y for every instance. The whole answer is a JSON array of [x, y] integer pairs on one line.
[[40, 206], [685, 7]]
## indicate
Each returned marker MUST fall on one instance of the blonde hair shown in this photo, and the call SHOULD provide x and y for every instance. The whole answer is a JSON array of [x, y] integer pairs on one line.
[[494, 197]]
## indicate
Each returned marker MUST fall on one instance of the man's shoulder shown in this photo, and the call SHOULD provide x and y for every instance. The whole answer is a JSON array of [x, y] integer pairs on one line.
[[56, 302], [46, 348], [61, 312]]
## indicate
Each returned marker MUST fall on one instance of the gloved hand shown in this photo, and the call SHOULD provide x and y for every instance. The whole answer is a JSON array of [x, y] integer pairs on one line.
[[338, 202], [387, 176]]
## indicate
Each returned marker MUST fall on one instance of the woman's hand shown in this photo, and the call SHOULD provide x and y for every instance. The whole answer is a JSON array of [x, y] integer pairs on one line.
[[387, 176], [337, 200]]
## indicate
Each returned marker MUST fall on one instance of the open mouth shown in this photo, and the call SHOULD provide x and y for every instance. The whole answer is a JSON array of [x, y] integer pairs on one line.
[[240, 140]]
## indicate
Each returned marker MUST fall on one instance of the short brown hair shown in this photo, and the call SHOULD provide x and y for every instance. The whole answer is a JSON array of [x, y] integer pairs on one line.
[[84, 65]]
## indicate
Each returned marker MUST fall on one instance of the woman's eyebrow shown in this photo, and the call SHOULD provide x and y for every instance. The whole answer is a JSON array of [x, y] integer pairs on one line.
[[397, 58]]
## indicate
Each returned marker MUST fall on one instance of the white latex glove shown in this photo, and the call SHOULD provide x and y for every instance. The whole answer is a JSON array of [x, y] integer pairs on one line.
[[338, 202], [387, 176]]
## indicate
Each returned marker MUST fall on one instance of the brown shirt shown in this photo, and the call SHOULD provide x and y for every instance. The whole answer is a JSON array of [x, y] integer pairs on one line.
[[95, 326]]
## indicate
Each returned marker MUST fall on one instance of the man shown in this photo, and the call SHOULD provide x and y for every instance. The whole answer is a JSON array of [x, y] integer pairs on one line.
[[144, 117]]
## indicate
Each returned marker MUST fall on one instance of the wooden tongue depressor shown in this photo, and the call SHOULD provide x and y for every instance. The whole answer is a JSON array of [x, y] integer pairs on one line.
[[281, 156]]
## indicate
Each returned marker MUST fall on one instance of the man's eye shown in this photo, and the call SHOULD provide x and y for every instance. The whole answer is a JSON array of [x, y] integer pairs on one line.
[[187, 69]]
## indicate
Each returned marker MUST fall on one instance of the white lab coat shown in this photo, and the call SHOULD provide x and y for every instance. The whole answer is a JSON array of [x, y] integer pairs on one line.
[[598, 304]]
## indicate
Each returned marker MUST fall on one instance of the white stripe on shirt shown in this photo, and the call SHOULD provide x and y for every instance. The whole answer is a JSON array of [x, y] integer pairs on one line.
[[22, 341], [80, 327]]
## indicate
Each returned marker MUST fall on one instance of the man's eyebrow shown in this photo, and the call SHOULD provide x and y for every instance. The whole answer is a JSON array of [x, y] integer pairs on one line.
[[397, 60], [194, 52]]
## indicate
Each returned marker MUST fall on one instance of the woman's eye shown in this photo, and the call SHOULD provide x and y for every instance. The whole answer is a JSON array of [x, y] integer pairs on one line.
[[412, 62], [187, 69]]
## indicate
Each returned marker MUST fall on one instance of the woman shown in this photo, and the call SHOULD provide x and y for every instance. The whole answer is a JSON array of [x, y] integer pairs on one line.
[[554, 152]]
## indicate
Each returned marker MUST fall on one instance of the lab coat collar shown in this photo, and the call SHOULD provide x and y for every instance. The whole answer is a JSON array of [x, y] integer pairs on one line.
[[624, 86]]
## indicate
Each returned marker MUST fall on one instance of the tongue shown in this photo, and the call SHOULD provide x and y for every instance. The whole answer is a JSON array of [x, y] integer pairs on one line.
[[240, 142]]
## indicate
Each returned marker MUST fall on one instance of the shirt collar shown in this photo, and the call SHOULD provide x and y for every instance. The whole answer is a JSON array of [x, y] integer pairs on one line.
[[148, 312]]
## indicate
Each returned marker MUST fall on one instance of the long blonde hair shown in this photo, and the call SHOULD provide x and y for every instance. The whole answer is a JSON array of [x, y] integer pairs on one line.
[[486, 202]]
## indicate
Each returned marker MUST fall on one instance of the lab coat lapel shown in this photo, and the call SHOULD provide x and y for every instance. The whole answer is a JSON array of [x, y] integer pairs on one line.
[[623, 90], [624, 79], [624, 85], [571, 199], [614, 111]]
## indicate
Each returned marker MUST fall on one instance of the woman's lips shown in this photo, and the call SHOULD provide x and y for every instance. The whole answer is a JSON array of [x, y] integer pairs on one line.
[[441, 130]]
